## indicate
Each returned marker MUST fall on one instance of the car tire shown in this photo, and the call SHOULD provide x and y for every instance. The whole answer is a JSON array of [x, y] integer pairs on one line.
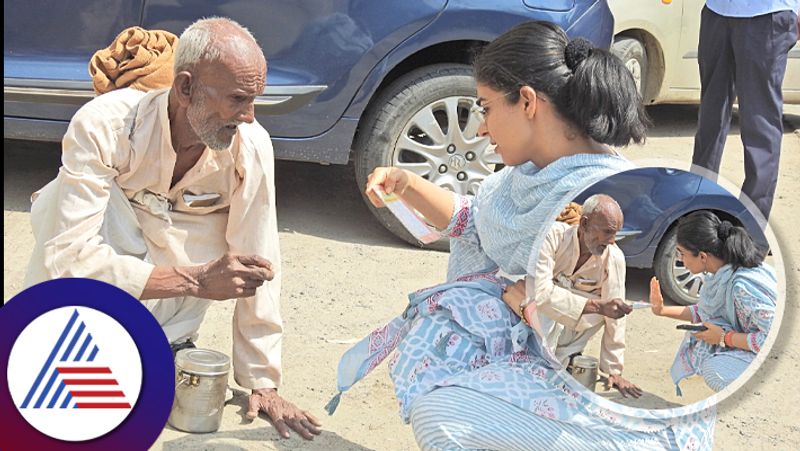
[[634, 56], [441, 90], [677, 283]]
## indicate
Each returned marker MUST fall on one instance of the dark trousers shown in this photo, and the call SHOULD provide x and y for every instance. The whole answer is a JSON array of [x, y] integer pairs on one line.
[[744, 57]]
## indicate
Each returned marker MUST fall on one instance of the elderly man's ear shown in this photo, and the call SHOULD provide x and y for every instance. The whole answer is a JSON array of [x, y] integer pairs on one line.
[[183, 87]]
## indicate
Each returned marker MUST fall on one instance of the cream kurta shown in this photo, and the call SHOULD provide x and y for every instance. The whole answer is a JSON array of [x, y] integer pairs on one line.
[[561, 293], [85, 228]]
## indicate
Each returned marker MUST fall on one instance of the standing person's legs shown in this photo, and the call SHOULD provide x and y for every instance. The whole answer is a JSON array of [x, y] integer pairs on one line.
[[715, 58], [761, 45]]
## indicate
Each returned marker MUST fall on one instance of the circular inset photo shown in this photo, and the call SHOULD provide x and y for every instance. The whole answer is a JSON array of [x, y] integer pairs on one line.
[[657, 289]]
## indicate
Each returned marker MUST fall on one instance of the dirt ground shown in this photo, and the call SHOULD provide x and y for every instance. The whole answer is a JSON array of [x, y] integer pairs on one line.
[[344, 275]]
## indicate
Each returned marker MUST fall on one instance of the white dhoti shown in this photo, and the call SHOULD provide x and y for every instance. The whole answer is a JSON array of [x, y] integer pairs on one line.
[[180, 317], [564, 341]]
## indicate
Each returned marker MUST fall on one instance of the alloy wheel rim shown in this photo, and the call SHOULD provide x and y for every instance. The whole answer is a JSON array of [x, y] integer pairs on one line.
[[688, 283], [440, 144], [635, 69]]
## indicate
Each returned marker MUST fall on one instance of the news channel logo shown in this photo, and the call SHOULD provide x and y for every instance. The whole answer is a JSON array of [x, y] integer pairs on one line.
[[87, 367]]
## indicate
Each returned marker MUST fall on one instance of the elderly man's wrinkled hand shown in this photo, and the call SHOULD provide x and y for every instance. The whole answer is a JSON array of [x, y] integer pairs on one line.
[[614, 308], [232, 276], [625, 387], [283, 414]]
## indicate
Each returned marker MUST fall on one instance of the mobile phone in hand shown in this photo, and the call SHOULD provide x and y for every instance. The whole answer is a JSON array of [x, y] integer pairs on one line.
[[692, 327]]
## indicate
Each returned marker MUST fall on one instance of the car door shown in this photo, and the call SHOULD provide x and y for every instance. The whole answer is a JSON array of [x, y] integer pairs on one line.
[[47, 45], [649, 198], [318, 51], [38, 32], [791, 79], [684, 74]]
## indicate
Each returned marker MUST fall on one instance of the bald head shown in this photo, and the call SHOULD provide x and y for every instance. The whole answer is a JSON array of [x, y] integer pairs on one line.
[[601, 220], [603, 205], [216, 40]]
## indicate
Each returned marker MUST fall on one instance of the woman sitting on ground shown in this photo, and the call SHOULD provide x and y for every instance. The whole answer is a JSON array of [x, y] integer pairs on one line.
[[468, 373], [737, 300]]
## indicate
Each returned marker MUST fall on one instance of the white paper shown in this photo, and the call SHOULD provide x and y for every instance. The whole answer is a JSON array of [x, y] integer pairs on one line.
[[639, 304], [407, 217]]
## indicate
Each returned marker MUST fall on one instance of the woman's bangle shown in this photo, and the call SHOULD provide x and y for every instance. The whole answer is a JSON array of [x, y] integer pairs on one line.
[[522, 314], [729, 338]]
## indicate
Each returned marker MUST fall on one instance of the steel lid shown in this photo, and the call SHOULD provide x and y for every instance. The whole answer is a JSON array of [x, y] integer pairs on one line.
[[584, 361], [202, 361]]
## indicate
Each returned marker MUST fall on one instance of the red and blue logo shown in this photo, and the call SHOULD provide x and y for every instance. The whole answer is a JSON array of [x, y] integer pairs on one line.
[[75, 381], [74, 374]]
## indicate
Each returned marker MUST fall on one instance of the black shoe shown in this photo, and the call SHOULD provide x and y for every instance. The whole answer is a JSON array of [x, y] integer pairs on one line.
[[569, 364], [188, 344]]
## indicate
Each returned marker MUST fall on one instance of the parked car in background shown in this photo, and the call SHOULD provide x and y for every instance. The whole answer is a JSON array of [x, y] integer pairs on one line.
[[653, 200], [657, 41], [374, 82]]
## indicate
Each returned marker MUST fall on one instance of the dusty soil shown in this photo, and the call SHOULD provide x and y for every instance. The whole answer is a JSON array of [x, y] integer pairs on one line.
[[344, 275]]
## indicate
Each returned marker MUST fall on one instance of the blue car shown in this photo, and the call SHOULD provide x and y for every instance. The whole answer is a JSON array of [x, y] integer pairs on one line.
[[373, 82], [653, 200]]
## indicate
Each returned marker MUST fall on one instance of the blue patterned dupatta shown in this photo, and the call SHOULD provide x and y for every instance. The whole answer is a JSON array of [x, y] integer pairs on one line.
[[717, 306], [512, 208], [462, 334], [515, 208]]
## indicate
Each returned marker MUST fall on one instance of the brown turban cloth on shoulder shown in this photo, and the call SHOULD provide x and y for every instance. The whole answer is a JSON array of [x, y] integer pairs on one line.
[[571, 214], [138, 58]]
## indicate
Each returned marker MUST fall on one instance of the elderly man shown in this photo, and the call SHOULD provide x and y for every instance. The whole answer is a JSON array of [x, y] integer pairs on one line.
[[169, 195], [580, 287]]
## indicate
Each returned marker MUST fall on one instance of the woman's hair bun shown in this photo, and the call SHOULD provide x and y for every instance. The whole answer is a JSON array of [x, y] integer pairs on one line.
[[576, 51], [724, 230]]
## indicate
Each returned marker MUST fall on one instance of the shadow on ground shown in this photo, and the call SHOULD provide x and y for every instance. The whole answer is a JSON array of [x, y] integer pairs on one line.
[[256, 437], [646, 401]]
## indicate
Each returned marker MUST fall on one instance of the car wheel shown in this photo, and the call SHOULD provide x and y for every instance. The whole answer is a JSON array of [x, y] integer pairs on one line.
[[423, 122], [677, 283], [633, 54]]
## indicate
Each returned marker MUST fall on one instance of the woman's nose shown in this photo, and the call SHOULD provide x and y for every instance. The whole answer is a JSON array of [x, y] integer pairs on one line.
[[483, 130]]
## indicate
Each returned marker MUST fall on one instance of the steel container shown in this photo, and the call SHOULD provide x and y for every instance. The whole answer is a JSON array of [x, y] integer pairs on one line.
[[201, 379], [584, 370]]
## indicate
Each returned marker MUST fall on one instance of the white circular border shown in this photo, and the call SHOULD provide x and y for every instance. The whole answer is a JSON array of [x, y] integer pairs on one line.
[[30, 351], [780, 273]]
